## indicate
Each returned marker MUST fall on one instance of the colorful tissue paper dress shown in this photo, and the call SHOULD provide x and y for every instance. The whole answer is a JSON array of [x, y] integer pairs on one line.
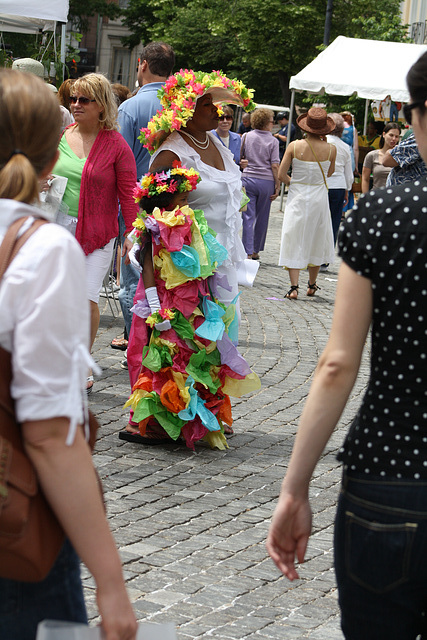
[[190, 371]]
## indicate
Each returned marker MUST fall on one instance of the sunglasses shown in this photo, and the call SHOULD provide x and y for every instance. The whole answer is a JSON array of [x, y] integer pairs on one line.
[[75, 100], [225, 118], [407, 109]]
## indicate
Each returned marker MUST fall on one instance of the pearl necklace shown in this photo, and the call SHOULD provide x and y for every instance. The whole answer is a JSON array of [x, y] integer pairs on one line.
[[201, 145]]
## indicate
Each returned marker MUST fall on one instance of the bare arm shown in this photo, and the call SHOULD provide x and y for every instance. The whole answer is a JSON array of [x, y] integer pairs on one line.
[[333, 158], [164, 159], [275, 170], [366, 174], [285, 164], [388, 160], [334, 378], [68, 478], [356, 149]]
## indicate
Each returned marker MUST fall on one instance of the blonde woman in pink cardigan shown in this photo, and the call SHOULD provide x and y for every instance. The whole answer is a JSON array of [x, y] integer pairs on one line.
[[101, 171]]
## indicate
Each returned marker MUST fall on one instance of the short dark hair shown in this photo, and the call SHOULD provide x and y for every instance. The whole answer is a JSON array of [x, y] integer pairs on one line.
[[160, 58]]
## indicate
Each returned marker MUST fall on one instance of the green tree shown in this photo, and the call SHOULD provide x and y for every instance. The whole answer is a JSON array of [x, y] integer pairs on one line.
[[261, 44]]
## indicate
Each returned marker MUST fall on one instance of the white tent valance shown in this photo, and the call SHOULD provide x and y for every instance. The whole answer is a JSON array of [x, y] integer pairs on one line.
[[371, 69], [43, 10]]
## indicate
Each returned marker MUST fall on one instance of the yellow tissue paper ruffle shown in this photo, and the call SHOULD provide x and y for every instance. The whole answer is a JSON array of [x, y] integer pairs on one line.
[[171, 276], [238, 388], [216, 439], [136, 396], [170, 219], [179, 380], [172, 346]]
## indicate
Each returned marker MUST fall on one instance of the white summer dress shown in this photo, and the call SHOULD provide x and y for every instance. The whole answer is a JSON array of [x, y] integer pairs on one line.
[[307, 237], [218, 194]]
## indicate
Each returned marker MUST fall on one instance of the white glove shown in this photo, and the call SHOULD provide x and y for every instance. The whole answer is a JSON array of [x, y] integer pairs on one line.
[[154, 304]]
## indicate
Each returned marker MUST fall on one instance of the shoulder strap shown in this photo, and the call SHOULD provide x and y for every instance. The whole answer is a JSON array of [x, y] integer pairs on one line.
[[11, 243], [317, 160]]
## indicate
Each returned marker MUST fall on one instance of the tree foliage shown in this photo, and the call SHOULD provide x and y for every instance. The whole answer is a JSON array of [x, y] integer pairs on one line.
[[262, 44]]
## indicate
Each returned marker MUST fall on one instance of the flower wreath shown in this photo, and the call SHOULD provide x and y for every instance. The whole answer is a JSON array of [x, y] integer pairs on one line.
[[153, 184], [178, 98]]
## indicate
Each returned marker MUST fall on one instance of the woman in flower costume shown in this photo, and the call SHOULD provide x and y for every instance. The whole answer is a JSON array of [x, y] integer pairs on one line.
[[191, 105], [190, 366]]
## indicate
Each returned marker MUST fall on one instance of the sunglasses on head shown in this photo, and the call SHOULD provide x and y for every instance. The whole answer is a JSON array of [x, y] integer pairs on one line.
[[75, 100], [407, 109], [225, 118]]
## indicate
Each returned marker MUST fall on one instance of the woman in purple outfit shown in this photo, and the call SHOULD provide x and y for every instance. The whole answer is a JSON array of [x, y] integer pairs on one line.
[[260, 178]]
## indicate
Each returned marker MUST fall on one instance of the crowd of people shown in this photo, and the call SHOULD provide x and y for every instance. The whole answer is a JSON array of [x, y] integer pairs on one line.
[[162, 174]]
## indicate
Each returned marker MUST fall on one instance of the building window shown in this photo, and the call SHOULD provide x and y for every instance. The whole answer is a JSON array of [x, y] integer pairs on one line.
[[121, 66]]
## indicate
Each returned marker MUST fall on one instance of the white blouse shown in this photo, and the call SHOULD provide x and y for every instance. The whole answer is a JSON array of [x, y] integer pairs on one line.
[[44, 321]]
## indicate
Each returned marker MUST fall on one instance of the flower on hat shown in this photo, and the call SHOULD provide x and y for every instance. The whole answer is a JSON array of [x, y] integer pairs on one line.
[[178, 98]]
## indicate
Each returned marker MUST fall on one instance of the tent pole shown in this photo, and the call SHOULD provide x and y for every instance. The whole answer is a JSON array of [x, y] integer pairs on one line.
[[365, 124], [288, 139], [62, 54]]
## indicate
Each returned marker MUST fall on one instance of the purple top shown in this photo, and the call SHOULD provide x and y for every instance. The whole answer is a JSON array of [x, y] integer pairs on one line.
[[261, 151]]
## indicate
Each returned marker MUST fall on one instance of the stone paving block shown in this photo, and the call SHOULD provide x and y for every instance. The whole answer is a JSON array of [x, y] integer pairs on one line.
[[191, 526]]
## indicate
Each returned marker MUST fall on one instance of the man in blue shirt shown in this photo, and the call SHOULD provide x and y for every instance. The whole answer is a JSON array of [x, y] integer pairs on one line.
[[282, 135], [156, 65]]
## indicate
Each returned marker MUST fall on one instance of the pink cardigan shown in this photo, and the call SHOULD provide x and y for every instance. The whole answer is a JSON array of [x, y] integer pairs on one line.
[[109, 175]]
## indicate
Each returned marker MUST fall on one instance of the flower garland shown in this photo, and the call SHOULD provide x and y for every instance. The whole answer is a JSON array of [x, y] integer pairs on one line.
[[178, 99], [153, 184]]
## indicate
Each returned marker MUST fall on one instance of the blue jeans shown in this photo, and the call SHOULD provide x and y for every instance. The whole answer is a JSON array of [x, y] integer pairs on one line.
[[129, 277], [58, 597], [381, 558]]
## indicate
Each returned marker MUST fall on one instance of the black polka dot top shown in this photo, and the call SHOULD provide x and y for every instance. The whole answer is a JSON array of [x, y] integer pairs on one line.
[[385, 239]]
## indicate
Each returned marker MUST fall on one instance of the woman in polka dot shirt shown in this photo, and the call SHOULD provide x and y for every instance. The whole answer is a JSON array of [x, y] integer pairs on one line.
[[381, 522]]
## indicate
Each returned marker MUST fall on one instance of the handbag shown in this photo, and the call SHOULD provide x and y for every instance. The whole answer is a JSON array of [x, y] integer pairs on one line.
[[30, 534]]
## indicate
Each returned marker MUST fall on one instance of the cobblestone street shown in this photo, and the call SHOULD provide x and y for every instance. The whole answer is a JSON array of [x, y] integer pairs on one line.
[[191, 527]]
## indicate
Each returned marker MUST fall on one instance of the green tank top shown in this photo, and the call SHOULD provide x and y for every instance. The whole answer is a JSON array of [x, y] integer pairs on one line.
[[70, 166]]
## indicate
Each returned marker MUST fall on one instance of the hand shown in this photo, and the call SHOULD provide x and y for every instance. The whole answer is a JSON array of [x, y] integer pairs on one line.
[[118, 619], [44, 183], [243, 163], [289, 533], [275, 194], [127, 246]]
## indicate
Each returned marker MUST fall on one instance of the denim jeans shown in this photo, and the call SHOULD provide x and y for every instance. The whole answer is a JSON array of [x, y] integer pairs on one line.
[[58, 597], [129, 277], [381, 558]]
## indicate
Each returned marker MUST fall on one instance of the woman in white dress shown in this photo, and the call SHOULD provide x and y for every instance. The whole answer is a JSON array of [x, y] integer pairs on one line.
[[307, 238], [191, 101]]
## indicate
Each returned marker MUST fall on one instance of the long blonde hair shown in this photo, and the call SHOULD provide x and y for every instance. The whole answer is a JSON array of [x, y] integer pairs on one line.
[[30, 126], [97, 87]]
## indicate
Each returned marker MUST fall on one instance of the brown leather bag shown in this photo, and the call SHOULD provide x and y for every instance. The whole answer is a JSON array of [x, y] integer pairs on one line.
[[30, 534]]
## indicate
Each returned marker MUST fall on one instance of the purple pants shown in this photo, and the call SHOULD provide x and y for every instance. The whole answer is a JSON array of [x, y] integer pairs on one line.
[[255, 218]]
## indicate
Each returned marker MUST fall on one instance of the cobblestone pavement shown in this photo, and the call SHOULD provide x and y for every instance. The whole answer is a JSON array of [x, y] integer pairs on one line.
[[191, 527]]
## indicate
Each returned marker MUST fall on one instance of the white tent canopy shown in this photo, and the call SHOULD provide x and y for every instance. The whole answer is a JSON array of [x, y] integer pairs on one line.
[[32, 16], [371, 69], [32, 12]]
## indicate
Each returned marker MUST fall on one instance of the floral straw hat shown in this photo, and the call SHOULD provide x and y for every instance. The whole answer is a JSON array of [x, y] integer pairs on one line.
[[316, 121], [178, 98]]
